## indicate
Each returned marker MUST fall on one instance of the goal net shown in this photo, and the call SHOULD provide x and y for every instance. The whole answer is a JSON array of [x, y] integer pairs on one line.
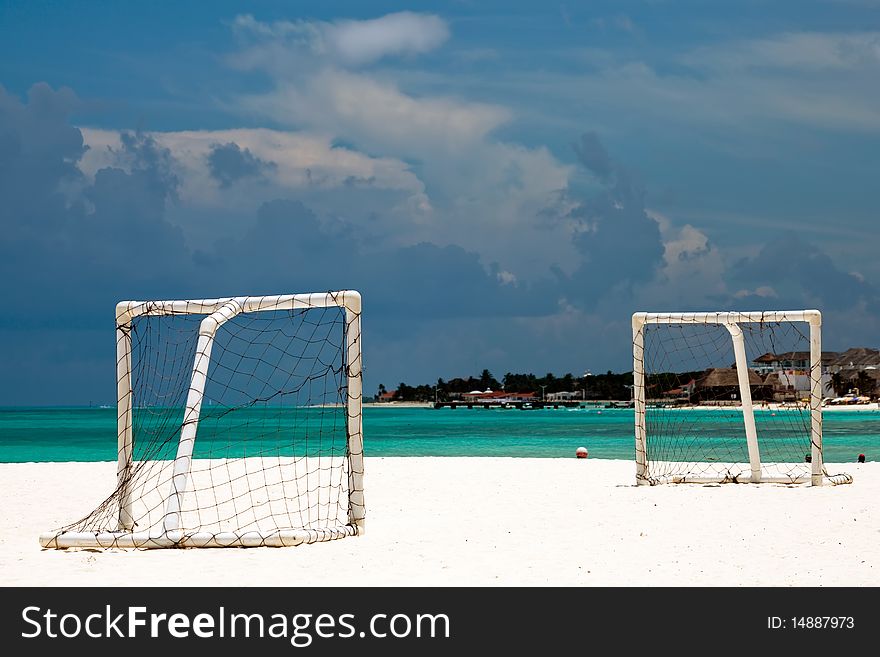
[[729, 397], [239, 424]]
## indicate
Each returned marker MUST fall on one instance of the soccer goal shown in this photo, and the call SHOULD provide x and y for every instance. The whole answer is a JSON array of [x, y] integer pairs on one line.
[[729, 397], [239, 425]]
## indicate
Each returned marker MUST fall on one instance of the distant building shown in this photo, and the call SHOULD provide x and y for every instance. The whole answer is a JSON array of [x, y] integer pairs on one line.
[[564, 396], [680, 394], [787, 386], [857, 369], [520, 396], [788, 373], [721, 385], [790, 360], [496, 397], [856, 358]]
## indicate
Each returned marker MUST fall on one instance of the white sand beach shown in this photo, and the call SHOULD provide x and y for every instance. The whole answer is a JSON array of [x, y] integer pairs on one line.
[[488, 521], [864, 408]]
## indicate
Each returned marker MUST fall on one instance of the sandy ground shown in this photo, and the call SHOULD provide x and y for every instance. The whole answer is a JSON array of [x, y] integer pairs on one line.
[[482, 521]]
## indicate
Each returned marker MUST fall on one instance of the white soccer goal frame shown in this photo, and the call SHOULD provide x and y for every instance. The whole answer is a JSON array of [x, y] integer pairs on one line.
[[731, 321], [218, 312]]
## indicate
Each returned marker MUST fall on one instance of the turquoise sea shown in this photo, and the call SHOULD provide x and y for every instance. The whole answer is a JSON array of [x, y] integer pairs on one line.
[[89, 434]]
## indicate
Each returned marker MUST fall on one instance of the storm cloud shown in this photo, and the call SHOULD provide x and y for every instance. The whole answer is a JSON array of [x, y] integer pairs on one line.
[[790, 270], [229, 163], [72, 246], [619, 244]]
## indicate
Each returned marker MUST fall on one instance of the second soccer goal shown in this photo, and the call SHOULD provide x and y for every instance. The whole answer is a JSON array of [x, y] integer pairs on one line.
[[729, 397]]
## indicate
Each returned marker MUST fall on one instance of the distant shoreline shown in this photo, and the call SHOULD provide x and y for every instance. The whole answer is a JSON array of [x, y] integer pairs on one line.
[[589, 405], [853, 407], [874, 406]]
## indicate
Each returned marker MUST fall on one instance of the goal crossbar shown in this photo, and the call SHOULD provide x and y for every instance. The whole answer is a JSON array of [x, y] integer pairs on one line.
[[813, 317], [126, 310]]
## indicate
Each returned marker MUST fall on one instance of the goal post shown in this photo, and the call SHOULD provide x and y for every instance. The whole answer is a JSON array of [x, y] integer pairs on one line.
[[239, 423], [693, 389]]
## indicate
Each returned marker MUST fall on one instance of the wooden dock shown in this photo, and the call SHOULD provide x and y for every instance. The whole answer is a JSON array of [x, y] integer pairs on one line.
[[521, 405]]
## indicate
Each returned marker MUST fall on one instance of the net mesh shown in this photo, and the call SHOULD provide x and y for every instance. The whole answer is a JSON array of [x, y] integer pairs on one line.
[[693, 418], [271, 453]]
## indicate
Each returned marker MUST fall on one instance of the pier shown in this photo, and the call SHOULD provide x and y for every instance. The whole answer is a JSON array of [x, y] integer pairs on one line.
[[521, 405]]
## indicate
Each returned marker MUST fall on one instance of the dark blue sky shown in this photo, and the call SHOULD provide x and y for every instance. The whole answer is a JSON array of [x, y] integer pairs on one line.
[[506, 182]]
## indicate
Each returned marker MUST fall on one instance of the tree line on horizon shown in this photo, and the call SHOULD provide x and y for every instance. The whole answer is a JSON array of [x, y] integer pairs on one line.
[[610, 386]]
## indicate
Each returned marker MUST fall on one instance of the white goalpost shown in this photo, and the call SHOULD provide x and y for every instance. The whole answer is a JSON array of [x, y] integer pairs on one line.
[[705, 414], [239, 424]]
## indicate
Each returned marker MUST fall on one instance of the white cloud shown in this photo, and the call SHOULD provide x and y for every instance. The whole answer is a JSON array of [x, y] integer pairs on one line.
[[693, 269], [483, 192], [763, 291], [302, 161], [489, 193], [375, 112], [363, 42], [315, 90], [684, 244], [348, 42], [792, 51], [810, 79], [333, 180]]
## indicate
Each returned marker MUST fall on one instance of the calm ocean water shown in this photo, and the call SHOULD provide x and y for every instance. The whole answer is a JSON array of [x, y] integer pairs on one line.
[[89, 434]]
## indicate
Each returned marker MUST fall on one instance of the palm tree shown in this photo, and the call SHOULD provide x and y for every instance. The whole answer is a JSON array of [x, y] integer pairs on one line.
[[486, 379], [839, 385], [865, 383]]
